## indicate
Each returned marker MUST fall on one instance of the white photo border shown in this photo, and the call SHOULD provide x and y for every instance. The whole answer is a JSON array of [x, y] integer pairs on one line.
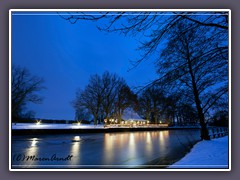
[[117, 10]]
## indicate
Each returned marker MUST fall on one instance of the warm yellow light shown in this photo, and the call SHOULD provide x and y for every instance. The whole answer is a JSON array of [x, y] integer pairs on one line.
[[38, 122]]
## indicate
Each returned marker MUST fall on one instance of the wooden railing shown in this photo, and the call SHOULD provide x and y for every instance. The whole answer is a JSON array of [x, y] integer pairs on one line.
[[216, 132]]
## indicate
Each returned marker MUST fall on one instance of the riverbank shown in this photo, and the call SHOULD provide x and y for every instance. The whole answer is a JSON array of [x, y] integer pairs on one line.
[[38, 129], [206, 155]]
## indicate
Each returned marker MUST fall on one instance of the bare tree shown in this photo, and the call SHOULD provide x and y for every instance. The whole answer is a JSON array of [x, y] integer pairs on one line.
[[82, 113], [24, 87], [111, 84], [193, 60], [195, 57], [152, 103], [125, 98], [152, 27], [91, 97], [145, 105], [100, 96]]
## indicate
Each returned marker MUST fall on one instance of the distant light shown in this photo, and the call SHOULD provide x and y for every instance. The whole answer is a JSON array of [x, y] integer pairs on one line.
[[38, 122]]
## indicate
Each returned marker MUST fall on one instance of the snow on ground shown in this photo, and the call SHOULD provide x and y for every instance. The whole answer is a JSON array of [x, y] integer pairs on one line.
[[73, 126], [206, 154], [54, 126]]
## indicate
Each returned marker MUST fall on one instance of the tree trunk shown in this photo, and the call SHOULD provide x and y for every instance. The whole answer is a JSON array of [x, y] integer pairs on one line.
[[95, 120], [155, 118], [204, 130]]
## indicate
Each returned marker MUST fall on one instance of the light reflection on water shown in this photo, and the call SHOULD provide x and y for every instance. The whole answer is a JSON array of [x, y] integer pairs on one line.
[[132, 148], [34, 142], [125, 148], [32, 150], [75, 149]]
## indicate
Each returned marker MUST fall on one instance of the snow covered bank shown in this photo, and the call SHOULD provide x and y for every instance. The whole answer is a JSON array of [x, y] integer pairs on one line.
[[54, 126], [206, 154], [22, 126]]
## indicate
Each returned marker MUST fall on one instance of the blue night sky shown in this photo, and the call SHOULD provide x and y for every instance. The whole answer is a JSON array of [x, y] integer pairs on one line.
[[65, 55]]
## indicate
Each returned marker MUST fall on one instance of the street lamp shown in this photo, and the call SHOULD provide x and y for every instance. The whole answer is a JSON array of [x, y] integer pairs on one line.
[[38, 122]]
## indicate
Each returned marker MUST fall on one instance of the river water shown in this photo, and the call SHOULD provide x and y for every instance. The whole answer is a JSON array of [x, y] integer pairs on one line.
[[147, 149]]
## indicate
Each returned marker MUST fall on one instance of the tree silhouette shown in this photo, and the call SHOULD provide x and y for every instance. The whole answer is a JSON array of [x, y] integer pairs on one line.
[[102, 97], [24, 87], [190, 50]]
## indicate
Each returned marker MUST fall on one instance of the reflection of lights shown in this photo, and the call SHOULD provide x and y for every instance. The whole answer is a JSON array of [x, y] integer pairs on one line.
[[34, 142], [132, 150], [131, 140], [149, 145], [32, 150], [76, 138], [108, 148], [163, 136], [149, 140], [75, 151]]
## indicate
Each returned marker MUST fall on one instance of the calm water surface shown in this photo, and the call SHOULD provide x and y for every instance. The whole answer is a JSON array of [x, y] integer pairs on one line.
[[106, 150]]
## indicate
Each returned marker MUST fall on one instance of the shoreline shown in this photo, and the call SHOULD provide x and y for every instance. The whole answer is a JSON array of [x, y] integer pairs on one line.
[[92, 130]]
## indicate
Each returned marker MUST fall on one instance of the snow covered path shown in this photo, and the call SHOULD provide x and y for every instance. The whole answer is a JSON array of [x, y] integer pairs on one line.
[[206, 154]]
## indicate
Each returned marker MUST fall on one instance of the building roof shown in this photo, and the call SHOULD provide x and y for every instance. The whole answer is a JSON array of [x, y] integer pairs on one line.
[[130, 115]]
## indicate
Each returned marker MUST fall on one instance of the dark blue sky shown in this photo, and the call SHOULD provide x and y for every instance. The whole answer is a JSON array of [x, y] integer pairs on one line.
[[65, 55]]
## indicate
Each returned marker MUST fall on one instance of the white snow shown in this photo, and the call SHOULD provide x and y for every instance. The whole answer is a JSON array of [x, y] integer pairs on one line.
[[75, 126], [206, 154], [54, 126], [130, 115]]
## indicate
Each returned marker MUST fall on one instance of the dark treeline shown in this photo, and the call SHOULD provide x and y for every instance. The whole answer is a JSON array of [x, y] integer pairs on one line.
[[107, 96], [190, 50], [104, 97], [190, 53]]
